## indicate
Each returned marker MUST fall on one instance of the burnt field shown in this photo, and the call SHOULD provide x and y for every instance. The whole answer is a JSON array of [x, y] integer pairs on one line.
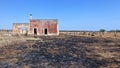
[[63, 51]]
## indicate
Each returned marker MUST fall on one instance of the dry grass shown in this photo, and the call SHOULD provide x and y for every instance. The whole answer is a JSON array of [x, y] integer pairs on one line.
[[10, 40], [64, 50]]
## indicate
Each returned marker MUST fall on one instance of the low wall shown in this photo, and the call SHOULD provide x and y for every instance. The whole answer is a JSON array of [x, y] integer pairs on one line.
[[87, 33], [76, 33]]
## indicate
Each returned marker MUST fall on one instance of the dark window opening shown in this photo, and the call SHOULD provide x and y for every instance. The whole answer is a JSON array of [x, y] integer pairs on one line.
[[35, 31], [45, 31]]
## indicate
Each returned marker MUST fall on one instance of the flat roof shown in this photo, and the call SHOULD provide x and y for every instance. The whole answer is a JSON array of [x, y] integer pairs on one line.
[[20, 23], [43, 19]]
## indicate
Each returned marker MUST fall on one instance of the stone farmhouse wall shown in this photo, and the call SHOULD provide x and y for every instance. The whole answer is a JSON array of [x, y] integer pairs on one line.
[[37, 27]]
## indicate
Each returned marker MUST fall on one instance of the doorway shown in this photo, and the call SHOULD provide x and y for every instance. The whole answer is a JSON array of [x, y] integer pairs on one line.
[[35, 31], [45, 31]]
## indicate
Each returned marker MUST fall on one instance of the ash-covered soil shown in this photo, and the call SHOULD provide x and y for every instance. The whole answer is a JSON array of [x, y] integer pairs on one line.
[[62, 52]]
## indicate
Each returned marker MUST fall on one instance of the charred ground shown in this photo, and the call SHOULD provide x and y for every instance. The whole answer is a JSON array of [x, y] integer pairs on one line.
[[62, 51]]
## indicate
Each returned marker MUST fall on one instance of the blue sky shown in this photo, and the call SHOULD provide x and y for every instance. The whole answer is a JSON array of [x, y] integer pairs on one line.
[[72, 14]]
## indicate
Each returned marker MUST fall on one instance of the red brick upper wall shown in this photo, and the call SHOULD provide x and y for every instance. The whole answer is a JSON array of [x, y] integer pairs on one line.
[[41, 24]]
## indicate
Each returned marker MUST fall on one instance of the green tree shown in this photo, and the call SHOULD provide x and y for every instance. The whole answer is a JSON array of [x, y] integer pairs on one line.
[[102, 32]]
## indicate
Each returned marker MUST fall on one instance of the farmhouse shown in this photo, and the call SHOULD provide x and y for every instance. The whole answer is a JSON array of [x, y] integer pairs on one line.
[[37, 27]]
